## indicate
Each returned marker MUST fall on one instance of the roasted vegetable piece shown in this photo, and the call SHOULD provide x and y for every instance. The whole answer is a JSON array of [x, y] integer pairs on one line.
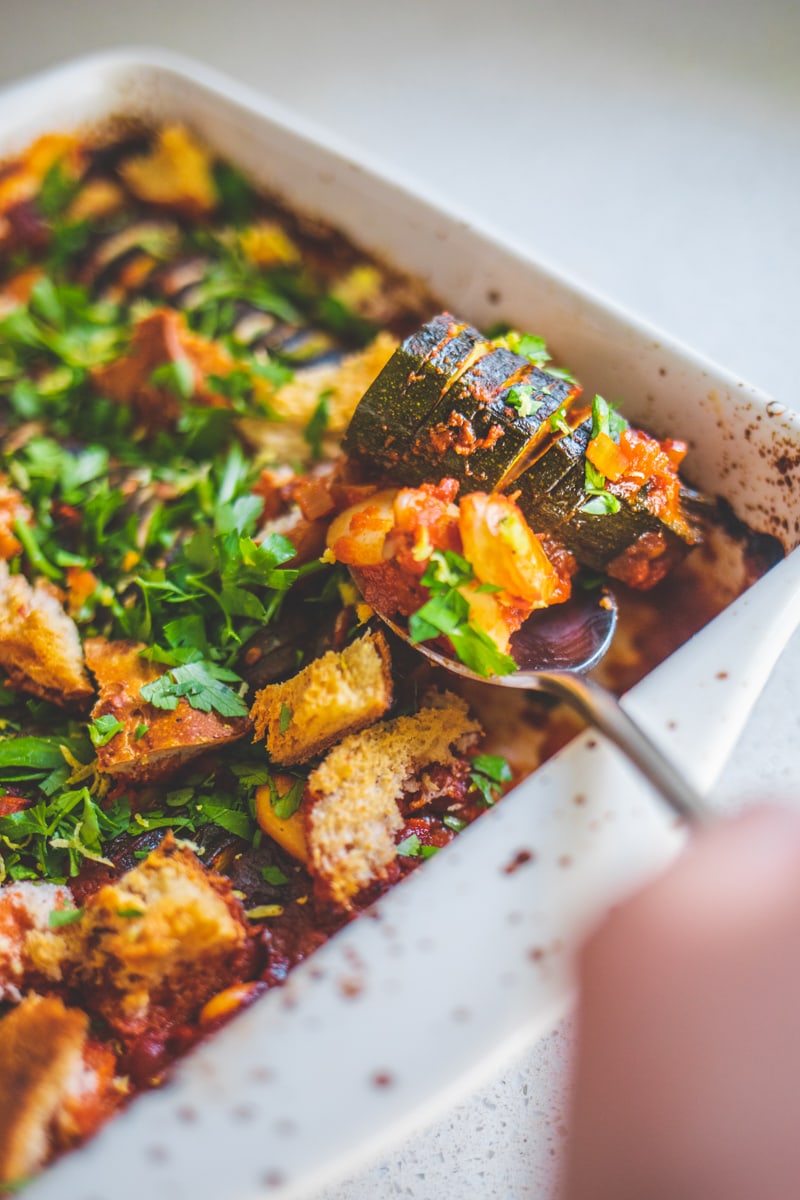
[[408, 389], [631, 541], [490, 420], [502, 423], [58, 1085], [463, 408]]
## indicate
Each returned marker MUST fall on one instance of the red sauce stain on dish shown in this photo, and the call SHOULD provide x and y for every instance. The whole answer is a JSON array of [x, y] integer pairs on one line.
[[520, 859]]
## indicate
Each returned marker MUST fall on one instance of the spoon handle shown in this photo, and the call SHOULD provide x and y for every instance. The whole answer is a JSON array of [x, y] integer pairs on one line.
[[602, 710]]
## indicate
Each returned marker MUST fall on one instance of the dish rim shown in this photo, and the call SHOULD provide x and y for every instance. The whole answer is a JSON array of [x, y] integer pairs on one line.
[[213, 82]]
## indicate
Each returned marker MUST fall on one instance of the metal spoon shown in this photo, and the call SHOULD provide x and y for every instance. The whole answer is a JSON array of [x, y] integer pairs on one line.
[[554, 649]]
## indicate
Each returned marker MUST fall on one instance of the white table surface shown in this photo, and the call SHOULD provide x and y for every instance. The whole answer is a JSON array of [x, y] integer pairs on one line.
[[653, 151]]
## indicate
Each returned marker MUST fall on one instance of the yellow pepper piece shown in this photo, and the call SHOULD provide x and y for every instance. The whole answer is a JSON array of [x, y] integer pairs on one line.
[[289, 832]]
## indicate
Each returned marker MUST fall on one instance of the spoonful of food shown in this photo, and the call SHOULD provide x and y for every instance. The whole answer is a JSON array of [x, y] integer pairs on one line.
[[554, 649]]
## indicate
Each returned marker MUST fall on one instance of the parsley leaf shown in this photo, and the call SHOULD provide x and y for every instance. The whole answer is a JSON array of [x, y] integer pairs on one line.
[[176, 376], [489, 772], [315, 430], [104, 728], [203, 684], [59, 917], [601, 502], [287, 805], [521, 398], [447, 612], [412, 847], [274, 875]]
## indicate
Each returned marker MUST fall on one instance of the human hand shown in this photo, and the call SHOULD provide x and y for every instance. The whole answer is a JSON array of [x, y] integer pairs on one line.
[[687, 1083]]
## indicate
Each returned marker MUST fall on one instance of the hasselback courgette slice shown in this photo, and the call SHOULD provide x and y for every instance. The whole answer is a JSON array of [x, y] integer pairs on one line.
[[552, 487], [490, 420], [553, 498], [467, 409], [407, 390]]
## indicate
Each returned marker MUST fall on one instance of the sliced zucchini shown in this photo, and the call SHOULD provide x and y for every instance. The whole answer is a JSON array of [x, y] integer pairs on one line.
[[491, 421], [407, 391], [465, 408]]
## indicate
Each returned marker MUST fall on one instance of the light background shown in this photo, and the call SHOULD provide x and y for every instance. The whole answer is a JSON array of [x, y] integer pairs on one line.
[[650, 149]]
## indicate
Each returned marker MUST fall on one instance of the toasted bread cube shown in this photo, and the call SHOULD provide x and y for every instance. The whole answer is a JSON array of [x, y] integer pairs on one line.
[[352, 814], [344, 383], [163, 936], [24, 923], [40, 649], [335, 695], [176, 173], [153, 742], [58, 1085]]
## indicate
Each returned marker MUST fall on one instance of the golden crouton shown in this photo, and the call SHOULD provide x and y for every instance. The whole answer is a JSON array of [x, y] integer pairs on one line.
[[160, 937], [176, 174], [337, 694], [152, 742], [24, 919], [345, 383], [57, 1085], [352, 815], [40, 649]]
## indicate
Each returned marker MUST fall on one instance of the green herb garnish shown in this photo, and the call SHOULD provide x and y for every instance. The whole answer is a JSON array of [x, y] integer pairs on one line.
[[60, 917], [447, 612], [489, 773], [104, 728]]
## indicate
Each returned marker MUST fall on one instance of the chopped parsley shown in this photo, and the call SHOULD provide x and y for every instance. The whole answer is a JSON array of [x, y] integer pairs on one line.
[[412, 847], [534, 349], [559, 422], [176, 376], [605, 419], [522, 399], [447, 612], [285, 718], [489, 773], [203, 684], [104, 728], [286, 805], [317, 426], [60, 917], [274, 876]]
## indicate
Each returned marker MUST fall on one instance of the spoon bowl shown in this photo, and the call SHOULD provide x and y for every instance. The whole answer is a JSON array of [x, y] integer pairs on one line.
[[554, 649]]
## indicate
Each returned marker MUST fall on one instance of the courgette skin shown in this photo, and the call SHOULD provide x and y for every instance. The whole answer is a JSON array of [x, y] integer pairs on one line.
[[477, 434], [448, 411], [552, 497], [407, 390]]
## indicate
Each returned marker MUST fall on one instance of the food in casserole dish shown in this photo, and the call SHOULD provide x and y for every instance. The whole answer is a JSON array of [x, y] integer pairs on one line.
[[212, 756]]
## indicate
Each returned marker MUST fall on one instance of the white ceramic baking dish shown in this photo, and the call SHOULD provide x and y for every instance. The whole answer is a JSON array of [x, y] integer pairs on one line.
[[469, 958]]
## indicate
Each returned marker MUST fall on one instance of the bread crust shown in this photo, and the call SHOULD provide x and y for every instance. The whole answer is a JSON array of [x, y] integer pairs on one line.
[[153, 742], [334, 696], [352, 815]]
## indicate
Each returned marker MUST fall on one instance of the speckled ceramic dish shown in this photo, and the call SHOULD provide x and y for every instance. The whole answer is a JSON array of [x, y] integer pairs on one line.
[[469, 957]]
